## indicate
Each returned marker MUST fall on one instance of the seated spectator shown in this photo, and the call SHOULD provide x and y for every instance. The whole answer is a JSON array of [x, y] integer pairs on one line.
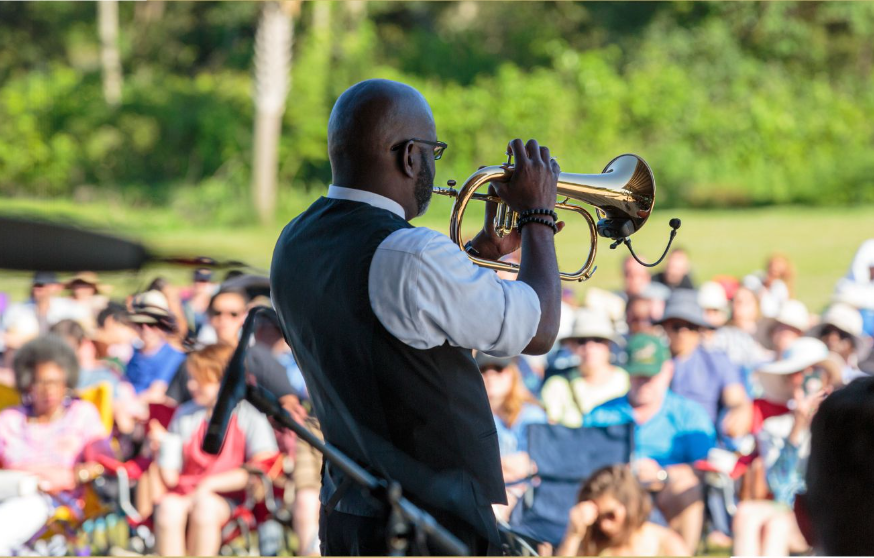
[[567, 397], [639, 316], [152, 366], [706, 377], [196, 300], [773, 287], [671, 432], [798, 382], [115, 335], [840, 472], [857, 287], [610, 519], [126, 408], [51, 435], [841, 330], [87, 293], [779, 332], [26, 320], [202, 490], [677, 273], [737, 339], [513, 409], [227, 313], [635, 278], [714, 303]]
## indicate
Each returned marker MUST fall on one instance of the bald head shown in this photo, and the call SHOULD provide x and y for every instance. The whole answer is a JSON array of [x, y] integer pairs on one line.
[[367, 120]]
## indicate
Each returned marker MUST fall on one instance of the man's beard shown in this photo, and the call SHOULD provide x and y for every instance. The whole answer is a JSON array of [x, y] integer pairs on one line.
[[424, 188]]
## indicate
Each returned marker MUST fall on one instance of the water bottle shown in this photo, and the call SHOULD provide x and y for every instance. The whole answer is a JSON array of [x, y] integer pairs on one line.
[[270, 535]]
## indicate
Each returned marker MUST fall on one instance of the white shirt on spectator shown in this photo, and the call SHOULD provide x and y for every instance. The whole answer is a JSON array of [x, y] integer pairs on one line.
[[425, 291]]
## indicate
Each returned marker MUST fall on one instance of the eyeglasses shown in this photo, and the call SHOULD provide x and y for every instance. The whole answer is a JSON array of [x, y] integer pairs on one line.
[[46, 384], [439, 146], [492, 368]]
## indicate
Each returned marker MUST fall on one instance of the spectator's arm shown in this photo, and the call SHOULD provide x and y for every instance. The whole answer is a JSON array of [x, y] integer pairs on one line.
[[155, 394], [738, 420]]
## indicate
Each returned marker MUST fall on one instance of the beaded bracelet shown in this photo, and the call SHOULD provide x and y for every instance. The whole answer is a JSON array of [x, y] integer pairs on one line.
[[540, 220], [530, 212]]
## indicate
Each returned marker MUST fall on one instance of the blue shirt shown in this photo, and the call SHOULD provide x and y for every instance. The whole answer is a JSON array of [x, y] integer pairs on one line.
[[702, 376], [512, 439], [680, 432], [143, 369]]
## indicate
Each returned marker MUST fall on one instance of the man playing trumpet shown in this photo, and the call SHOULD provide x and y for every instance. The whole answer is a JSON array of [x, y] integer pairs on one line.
[[382, 317]]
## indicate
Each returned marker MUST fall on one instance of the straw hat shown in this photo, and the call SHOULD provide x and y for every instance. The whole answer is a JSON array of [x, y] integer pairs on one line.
[[843, 317], [593, 323], [89, 278]]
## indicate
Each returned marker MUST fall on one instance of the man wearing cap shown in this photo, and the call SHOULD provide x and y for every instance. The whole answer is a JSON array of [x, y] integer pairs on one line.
[[594, 380], [841, 331], [25, 321], [706, 377], [154, 363], [671, 432], [87, 292]]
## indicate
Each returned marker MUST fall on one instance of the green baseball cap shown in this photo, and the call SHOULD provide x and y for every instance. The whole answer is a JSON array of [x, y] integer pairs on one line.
[[646, 355]]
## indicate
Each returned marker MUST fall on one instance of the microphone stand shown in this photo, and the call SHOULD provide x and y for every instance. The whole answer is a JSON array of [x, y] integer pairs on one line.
[[405, 517]]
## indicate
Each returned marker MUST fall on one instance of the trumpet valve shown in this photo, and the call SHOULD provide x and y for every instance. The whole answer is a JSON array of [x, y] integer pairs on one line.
[[505, 220]]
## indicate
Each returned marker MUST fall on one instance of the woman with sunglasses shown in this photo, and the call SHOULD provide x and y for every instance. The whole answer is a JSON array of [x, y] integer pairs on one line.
[[794, 387], [841, 331], [610, 519], [514, 409]]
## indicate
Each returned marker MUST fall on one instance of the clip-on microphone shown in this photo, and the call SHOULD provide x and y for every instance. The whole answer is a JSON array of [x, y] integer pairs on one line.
[[623, 239]]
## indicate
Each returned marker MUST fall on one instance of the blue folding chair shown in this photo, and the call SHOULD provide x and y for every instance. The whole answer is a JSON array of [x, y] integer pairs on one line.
[[565, 457]]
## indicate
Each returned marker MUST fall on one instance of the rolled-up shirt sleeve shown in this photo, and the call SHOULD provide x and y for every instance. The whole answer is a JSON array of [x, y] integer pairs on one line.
[[425, 291]]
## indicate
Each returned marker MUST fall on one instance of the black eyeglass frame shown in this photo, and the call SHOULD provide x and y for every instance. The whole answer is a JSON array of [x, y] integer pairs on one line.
[[439, 146]]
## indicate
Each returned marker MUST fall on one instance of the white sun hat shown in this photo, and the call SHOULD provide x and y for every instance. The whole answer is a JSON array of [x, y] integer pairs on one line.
[[803, 353]]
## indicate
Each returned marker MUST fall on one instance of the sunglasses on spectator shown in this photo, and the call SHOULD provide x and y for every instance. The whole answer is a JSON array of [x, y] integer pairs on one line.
[[438, 146], [230, 313], [492, 368], [584, 340], [828, 330], [679, 326]]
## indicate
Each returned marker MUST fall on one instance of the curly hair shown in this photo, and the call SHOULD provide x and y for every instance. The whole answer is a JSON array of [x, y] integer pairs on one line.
[[42, 350], [619, 482]]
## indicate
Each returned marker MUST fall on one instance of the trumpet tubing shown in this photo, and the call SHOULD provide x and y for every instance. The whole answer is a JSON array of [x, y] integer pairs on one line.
[[623, 195]]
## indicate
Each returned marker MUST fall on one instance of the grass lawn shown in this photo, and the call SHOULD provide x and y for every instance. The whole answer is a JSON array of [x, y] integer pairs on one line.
[[820, 241]]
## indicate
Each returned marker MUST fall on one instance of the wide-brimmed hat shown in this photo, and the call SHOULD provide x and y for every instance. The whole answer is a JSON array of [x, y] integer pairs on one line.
[[843, 317], [801, 354], [793, 313], [88, 278], [589, 322], [152, 308], [683, 305]]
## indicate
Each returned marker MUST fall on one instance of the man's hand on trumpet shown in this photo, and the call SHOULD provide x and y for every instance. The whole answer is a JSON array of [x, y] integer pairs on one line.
[[532, 186]]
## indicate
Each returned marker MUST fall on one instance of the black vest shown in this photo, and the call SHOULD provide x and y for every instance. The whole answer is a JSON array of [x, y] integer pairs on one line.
[[423, 414]]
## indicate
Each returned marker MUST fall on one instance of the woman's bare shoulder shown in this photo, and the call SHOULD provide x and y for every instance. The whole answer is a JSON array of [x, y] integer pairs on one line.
[[670, 542]]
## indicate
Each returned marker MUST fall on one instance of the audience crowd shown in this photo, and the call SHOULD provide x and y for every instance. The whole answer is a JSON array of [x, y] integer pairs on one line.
[[723, 384]]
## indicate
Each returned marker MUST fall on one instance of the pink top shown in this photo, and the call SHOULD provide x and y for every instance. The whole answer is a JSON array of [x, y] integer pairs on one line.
[[52, 449]]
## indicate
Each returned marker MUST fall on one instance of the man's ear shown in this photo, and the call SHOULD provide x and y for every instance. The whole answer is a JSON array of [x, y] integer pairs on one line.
[[407, 161]]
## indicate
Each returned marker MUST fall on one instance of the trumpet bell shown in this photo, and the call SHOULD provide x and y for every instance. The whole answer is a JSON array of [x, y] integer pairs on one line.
[[623, 195]]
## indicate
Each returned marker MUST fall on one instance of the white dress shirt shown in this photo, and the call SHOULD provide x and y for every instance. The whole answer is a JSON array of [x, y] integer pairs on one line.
[[425, 291]]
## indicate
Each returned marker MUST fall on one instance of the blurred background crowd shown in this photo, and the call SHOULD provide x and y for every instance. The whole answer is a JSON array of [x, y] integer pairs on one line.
[[106, 395], [201, 127]]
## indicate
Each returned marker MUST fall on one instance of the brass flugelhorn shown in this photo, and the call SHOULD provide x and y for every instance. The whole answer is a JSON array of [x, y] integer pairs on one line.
[[623, 195]]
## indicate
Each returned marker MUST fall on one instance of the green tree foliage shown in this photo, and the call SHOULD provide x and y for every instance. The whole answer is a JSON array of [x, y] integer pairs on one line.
[[732, 104]]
